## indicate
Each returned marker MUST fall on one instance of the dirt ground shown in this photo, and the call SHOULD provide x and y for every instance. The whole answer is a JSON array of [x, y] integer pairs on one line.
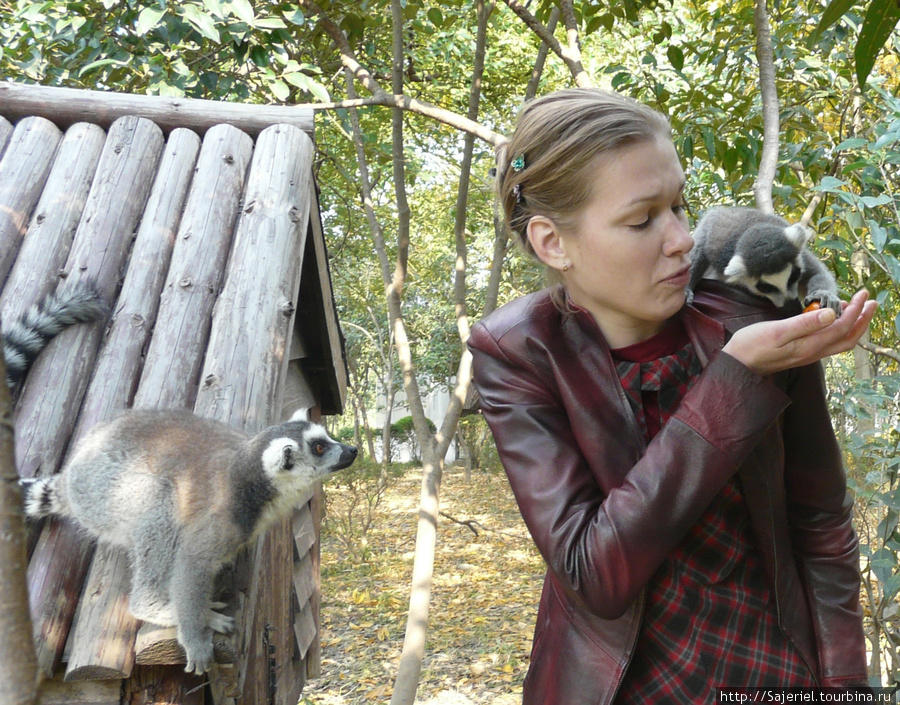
[[487, 583]]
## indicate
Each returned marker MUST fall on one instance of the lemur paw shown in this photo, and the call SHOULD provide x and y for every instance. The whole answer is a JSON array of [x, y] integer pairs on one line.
[[199, 656], [826, 300], [221, 623]]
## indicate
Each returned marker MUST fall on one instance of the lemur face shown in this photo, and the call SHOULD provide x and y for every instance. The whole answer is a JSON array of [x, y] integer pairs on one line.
[[305, 451]]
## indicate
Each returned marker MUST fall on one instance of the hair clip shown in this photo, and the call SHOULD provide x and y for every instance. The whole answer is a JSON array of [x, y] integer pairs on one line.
[[518, 163], [517, 192]]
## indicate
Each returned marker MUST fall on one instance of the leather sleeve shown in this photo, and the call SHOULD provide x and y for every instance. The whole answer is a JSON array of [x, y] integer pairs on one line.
[[819, 515], [604, 544]]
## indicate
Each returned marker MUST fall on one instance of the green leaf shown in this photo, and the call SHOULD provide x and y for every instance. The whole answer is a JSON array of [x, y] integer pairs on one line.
[[147, 20], [881, 18], [202, 22], [305, 83], [886, 139], [243, 10], [879, 237], [271, 23], [96, 65], [834, 12], [676, 57], [852, 143]]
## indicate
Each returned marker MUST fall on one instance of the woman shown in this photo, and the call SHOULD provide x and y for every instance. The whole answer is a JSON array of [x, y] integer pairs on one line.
[[675, 464]]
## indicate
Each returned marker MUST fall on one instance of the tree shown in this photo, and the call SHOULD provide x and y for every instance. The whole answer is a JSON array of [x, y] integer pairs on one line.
[[18, 662]]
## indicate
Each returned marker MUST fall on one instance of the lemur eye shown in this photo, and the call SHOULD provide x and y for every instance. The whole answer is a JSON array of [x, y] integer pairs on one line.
[[319, 448]]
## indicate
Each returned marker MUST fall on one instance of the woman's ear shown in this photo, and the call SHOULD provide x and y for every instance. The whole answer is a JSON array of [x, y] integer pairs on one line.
[[547, 242]]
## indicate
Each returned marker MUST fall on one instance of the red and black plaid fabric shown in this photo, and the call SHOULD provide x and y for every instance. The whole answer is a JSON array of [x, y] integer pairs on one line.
[[709, 619]]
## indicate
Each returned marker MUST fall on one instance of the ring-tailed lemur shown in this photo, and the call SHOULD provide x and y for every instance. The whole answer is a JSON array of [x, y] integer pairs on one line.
[[762, 254], [24, 339], [182, 494]]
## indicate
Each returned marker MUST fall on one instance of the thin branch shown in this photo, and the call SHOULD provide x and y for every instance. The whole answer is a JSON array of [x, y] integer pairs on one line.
[[382, 97], [570, 55], [879, 350]]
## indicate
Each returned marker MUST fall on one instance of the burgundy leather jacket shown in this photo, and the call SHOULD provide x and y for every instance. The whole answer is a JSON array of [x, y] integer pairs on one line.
[[605, 508]]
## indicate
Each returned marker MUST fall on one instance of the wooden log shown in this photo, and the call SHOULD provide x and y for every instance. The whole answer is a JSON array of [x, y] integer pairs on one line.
[[248, 349], [56, 692], [163, 685], [65, 106], [6, 130], [23, 172], [175, 354], [158, 646], [102, 650], [56, 384], [47, 242], [95, 650]]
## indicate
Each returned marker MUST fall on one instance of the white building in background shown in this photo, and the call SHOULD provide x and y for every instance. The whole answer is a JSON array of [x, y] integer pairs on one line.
[[435, 403]]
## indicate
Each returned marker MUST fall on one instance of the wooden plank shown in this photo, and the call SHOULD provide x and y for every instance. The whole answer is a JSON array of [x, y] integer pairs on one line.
[[56, 384], [92, 651], [23, 172], [334, 348], [305, 629], [304, 531], [47, 242], [180, 337], [247, 356], [6, 130], [304, 581], [68, 105]]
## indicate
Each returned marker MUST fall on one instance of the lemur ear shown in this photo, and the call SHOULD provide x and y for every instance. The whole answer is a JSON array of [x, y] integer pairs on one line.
[[798, 234], [300, 415], [287, 458], [736, 269]]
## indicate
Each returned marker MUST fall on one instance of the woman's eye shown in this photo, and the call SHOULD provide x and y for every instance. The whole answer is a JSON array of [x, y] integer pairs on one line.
[[642, 226]]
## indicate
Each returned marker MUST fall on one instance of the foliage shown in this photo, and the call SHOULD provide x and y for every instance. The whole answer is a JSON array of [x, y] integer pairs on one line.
[[222, 49], [880, 19], [404, 434]]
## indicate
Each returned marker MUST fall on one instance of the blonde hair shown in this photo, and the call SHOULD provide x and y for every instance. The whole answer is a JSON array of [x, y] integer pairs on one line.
[[546, 167]]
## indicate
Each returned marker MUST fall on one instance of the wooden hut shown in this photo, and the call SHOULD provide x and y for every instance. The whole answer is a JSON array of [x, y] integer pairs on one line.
[[199, 221]]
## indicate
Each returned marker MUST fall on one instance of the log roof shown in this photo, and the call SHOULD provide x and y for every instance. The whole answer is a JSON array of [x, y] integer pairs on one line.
[[207, 244]]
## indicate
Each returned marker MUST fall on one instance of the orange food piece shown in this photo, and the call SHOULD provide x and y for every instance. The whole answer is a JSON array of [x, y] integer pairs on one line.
[[813, 306]]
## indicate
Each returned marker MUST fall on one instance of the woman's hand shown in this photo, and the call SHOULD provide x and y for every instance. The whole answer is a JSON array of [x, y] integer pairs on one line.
[[772, 346]]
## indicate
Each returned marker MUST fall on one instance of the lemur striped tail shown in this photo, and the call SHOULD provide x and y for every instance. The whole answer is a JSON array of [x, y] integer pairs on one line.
[[40, 496], [24, 339]]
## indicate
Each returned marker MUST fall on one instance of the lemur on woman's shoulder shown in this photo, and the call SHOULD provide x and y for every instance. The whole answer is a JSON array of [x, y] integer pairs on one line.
[[761, 254]]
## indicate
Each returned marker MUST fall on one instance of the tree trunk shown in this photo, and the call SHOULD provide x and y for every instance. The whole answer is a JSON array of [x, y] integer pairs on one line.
[[768, 163], [18, 663]]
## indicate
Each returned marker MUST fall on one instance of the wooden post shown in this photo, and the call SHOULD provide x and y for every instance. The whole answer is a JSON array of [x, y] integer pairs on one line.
[[23, 171], [6, 130], [48, 239]]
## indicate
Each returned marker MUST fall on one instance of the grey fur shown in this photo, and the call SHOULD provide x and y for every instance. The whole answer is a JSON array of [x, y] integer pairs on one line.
[[763, 255], [26, 337], [182, 494]]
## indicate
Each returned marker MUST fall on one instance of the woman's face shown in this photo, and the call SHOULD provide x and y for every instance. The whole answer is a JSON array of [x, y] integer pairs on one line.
[[627, 252]]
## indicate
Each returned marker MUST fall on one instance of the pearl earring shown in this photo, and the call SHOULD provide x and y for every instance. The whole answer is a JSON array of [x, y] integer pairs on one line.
[[566, 267]]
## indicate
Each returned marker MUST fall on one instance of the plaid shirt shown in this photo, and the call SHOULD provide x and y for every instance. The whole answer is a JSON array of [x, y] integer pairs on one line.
[[710, 618]]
